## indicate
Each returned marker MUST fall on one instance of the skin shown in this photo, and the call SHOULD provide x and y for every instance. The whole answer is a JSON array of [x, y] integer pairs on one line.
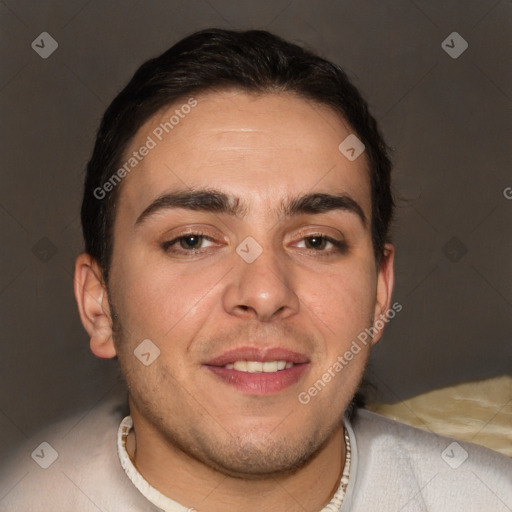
[[197, 439]]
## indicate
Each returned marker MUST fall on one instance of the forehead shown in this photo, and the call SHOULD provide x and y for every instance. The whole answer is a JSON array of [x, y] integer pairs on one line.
[[260, 147]]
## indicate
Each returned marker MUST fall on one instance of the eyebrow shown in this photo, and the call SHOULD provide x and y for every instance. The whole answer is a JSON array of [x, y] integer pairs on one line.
[[215, 201]]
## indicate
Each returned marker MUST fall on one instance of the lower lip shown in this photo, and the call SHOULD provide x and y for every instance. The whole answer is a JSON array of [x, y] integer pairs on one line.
[[261, 383]]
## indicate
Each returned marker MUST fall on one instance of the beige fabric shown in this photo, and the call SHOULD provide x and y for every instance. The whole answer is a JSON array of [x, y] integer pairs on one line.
[[479, 412]]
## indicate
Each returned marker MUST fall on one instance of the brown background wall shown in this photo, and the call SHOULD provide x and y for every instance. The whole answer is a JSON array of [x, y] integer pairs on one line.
[[449, 120]]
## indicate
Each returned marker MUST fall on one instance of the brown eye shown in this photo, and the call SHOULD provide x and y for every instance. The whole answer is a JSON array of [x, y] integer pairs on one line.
[[316, 242], [322, 244], [191, 241]]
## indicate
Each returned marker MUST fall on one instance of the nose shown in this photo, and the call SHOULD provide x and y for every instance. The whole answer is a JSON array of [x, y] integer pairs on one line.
[[262, 289]]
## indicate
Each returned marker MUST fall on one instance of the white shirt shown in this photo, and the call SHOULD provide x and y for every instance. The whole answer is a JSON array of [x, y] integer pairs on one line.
[[394, 468]]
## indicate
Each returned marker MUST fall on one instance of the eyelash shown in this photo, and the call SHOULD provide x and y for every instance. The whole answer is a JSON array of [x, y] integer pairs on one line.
[[340, 246]]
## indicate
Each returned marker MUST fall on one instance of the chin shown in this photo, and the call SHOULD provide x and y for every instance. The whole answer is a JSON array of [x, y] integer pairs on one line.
[[251, 463], [262, 458]]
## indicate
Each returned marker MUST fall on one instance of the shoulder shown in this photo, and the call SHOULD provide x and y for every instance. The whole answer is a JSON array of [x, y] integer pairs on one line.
[[426, 471], [72, 465]]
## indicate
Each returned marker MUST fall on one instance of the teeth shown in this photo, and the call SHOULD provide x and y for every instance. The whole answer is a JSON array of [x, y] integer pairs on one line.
[[269, 366], [241, 366], [254, 366], [258, 366]]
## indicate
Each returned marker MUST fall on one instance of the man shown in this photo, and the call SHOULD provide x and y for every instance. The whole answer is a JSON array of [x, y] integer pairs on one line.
[[236, 216]]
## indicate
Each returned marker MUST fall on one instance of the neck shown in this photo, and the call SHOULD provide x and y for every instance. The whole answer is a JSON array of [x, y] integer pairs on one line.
[[194, 484]]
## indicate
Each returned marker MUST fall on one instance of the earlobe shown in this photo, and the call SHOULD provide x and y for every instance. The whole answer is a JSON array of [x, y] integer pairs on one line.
[[92, 301], [385, 284]]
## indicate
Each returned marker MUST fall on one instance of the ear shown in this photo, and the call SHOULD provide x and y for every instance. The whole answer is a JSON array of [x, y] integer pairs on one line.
[[385, 283], [92, 300]]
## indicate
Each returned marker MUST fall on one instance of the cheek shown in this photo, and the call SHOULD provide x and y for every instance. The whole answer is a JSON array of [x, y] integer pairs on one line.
[[342, 301], [158, 301]]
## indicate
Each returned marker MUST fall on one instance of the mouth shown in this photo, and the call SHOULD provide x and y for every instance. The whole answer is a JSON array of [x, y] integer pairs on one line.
[[259, 371], [259, 366]]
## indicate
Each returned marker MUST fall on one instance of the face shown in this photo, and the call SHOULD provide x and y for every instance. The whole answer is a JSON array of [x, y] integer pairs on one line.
[[272, 264]]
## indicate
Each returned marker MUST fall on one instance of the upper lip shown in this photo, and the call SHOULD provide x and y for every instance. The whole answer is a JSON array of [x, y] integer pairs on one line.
[[258, 354]]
